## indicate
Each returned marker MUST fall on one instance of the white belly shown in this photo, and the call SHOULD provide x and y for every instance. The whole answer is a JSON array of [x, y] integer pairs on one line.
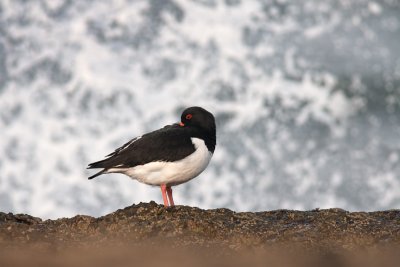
[[171, 173]]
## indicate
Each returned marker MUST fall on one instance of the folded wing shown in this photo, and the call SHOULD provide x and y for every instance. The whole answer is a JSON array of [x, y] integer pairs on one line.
[[170, 143]]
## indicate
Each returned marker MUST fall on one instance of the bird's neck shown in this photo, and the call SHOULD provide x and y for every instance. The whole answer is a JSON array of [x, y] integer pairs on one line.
[[209, 138]]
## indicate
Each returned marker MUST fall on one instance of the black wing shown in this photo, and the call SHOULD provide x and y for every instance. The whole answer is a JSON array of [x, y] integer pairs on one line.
[[170, 143], [124, 146]]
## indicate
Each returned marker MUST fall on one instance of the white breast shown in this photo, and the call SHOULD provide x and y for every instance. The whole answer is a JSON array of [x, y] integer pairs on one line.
[[172, 173]]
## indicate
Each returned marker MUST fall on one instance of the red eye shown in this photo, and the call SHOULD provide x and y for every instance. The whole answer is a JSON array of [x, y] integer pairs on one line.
[[189, 116]]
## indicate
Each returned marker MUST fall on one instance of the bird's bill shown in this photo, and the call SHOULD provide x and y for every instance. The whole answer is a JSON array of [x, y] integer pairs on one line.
[[181, 124]]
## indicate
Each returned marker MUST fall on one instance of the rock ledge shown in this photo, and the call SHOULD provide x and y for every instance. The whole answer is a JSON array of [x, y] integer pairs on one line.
[[185, 226]]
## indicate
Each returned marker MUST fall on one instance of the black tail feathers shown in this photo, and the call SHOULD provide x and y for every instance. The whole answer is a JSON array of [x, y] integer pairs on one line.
[[96, 174]]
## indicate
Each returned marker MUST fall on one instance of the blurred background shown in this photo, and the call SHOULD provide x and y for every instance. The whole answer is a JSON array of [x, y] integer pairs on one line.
[[305, 93]]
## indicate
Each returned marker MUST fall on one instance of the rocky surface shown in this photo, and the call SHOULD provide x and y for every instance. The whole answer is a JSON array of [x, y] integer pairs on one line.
[[181, 226], [187, 225]]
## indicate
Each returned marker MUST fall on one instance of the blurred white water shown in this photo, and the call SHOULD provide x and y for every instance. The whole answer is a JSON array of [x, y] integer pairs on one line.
[[306, 97]]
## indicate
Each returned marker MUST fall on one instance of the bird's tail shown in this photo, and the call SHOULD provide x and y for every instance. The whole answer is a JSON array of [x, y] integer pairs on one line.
[[97, 174], [99, 164], [104, 164]]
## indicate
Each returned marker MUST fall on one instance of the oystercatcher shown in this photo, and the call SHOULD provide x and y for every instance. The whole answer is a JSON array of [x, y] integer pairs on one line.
[[166, 157]]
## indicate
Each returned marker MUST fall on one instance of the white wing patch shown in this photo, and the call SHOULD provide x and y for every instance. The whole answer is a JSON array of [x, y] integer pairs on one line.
[[171, 173]]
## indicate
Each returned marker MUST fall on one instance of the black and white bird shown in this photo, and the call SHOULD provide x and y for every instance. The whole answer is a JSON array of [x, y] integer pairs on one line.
[[166, 157]]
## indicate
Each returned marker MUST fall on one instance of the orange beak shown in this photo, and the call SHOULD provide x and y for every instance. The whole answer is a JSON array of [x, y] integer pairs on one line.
[[181, 124]]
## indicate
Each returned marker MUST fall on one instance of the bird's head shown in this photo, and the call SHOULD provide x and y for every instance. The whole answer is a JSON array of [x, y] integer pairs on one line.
[[198, 117]]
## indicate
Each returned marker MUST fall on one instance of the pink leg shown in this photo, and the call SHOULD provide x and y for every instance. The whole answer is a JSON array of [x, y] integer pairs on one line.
[[171, 200], [164, 194]]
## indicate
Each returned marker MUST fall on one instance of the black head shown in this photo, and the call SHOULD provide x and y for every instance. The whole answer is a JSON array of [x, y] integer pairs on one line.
[[200, 123], [197, 117]]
